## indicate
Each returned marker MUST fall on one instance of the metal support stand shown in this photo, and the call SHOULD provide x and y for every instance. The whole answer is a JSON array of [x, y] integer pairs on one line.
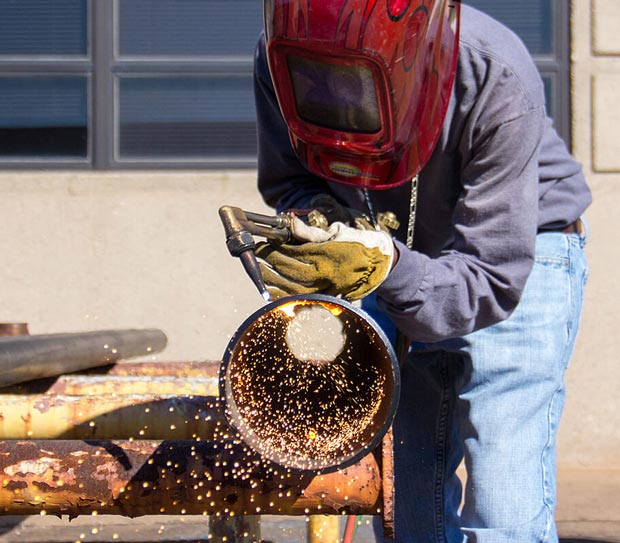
[[102, 449]]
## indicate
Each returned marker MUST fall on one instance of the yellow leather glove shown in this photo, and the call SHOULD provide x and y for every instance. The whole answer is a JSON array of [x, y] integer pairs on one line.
[[342, 260]]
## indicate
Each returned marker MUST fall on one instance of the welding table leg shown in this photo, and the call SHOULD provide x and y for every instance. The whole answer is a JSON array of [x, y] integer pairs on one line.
[[323, 529], [237, 529]]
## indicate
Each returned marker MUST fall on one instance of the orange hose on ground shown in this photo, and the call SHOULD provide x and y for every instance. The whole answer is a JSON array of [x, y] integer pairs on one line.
[[349, 529]]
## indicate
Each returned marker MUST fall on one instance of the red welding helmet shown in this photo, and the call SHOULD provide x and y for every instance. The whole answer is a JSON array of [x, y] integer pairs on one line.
[[363, 85]]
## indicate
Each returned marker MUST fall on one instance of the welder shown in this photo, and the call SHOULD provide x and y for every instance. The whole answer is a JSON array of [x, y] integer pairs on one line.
[[436, 112]]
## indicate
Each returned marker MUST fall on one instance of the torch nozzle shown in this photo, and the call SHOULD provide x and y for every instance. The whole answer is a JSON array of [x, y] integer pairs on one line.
[[250, 264]]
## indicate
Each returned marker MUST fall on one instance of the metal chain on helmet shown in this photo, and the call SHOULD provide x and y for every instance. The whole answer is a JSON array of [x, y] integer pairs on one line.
[[413, 207], [402, 342]]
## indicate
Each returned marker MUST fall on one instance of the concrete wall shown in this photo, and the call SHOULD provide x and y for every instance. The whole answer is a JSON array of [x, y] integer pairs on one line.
[[590, 434], [97, 250]]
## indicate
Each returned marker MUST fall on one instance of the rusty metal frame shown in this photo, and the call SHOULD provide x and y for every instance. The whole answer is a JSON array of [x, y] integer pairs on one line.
[[118, 453], [134, 478]]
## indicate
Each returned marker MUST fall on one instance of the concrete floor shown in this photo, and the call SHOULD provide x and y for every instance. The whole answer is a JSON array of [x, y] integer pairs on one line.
[[589, 506], [588, 512], [194, 530]]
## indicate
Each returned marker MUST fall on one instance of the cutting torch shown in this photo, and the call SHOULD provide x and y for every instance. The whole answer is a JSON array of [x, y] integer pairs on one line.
[[241, 226]]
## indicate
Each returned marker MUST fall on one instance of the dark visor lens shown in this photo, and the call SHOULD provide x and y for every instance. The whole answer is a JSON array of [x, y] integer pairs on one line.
[[335, 96]]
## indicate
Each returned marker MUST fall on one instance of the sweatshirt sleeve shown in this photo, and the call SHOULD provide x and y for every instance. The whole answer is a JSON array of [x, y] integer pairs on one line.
[[282, 180], [478, 280]]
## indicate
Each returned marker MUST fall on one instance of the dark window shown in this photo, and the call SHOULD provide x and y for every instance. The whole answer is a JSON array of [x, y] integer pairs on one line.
[[43, 27], [127, 83], [543, 25], [181, 78], [45, 90], [194, 28], [43, 116], [168, 83], [185, 117]]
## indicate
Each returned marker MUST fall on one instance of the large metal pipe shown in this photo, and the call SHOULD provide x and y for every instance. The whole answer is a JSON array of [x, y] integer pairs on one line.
[[128, 377], [42, 416], [207, 368], [13, 328], [310, 382], [100, 385], [23, 358], [133, 478]]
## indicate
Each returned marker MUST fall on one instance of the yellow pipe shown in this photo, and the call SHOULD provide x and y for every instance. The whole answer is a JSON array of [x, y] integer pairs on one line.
[[323, 529], [111, 417], [97, 385]]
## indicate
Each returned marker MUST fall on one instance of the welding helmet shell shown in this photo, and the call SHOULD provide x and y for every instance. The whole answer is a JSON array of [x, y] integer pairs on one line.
[[363, 85]]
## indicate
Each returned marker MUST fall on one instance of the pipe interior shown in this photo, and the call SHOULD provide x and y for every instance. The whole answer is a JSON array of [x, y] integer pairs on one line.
[[317, 399]]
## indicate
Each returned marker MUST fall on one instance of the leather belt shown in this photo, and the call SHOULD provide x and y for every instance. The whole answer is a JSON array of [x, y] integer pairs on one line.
[[576, 227]]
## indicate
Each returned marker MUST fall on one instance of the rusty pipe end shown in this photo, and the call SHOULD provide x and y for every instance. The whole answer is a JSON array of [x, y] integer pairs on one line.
[[14, 329], [309, 392]]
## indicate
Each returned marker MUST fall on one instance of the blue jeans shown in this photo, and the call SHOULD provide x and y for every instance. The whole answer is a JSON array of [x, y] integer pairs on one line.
[[493, 398]]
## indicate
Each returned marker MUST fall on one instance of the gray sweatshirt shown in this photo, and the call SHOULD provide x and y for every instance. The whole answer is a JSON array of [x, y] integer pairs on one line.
[[499, 175]]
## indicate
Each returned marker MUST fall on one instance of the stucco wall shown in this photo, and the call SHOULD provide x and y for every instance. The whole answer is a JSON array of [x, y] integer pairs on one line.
[[133, 249], [590, 433], [97, 250]]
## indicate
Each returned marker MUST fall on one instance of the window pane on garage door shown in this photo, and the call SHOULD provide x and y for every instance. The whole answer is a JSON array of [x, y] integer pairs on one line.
[[186, 117], [43, 27], [532, 20], [43, 116], [203, 28]]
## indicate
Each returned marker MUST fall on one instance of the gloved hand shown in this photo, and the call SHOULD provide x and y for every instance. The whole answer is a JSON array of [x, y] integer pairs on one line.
[[341, 260]]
